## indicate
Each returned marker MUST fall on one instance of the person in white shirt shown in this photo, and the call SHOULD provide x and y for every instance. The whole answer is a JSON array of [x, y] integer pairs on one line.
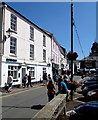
[[9, 82]]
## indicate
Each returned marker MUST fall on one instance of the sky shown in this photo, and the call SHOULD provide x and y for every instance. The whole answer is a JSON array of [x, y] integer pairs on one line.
[[55, 17]]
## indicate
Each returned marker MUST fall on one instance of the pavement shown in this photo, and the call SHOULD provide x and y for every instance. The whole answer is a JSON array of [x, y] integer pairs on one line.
[[70, 106]]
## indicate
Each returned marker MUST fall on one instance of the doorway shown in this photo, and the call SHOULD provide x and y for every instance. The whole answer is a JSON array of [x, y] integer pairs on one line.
[[23, 72]]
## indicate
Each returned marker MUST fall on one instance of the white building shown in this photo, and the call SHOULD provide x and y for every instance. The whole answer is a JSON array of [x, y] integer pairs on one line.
[[24, 47]]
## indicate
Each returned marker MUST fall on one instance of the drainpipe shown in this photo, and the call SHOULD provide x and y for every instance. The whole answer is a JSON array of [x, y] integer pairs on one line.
[[51, 50], [2, 20]]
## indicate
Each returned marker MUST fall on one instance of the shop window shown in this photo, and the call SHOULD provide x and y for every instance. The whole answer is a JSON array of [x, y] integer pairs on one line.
[[13, 70], [32, 72]]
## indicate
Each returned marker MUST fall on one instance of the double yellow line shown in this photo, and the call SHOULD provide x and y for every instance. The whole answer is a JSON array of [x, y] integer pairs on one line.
[[18, 92]]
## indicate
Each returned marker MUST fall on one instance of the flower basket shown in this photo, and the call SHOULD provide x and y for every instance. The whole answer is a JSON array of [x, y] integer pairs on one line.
[[72, 55], [73, 85]]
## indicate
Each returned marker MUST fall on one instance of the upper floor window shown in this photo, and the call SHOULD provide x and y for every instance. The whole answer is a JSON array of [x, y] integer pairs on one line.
[[13, 45], [32, 51], [31, 33], [44, 55], [13, 22], [44, 40]]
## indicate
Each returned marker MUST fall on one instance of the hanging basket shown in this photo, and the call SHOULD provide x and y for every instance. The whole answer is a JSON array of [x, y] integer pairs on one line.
[[72, 55]]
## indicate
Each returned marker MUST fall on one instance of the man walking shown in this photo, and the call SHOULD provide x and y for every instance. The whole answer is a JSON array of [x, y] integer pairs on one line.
[[29, 81]]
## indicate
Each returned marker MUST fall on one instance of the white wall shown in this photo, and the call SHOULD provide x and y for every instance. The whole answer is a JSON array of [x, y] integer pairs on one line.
[[55, 52], [23, 48]]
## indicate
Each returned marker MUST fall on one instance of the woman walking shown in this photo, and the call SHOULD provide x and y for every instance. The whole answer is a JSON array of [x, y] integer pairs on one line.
[[51, 91]]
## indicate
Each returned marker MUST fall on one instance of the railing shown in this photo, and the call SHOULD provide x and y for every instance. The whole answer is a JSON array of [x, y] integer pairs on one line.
[[52, 109]]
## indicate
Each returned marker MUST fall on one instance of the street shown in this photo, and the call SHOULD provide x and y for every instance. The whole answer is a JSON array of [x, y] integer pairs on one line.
[[24, 104]]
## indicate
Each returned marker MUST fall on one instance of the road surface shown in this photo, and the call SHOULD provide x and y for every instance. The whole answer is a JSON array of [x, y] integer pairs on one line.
[[24, 104]]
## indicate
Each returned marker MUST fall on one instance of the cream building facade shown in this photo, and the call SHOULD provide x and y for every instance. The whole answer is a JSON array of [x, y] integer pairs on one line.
[[25, 48]]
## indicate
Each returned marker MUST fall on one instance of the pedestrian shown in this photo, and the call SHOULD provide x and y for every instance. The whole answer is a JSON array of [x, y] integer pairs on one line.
[[49, 77], [51, 92], [55, 78], [62, 87], [25, 79], [59, 83], [9, 82], [29, 81], [44, 78], [6, 87]]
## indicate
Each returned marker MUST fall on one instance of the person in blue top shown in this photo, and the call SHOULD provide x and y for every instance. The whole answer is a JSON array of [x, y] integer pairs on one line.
[[63, 89]]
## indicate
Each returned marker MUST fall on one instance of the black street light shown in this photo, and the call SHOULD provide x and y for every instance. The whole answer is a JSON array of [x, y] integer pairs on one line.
[[72, 24], [9, 32]]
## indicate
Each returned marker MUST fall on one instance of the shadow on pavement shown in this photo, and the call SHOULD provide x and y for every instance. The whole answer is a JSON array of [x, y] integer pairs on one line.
[[15, 107], [37, 107]]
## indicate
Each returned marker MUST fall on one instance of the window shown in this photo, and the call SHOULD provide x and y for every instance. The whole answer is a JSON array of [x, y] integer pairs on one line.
[[44, 55], [44, 40], [32, 72], [13, 45], [44, 71], [13, 70], [13, 22], [32, 51], [31, 33]]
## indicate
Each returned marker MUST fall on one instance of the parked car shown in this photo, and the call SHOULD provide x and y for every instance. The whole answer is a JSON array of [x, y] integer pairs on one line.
[[87, 111], [94, 77], [86, 79], [88, 88], [93, 94], [86, 83]]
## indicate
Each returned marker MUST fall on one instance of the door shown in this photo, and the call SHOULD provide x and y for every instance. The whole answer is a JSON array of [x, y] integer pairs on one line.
[[23, 72]]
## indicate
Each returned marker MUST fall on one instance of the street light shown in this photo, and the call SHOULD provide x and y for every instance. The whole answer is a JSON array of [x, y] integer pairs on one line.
[[9, 32], [72, 24]]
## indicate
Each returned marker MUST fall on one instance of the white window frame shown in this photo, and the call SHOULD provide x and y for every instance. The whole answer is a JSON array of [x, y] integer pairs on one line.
[[13, 22], [44, 70], [31, 51], [32, 72], [44, 40], [31, 33], [13, 70], [44, 55], [13, 45]]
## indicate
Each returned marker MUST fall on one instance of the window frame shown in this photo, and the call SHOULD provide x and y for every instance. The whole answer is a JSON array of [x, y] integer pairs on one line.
[[13, 46], [13, 22], [32, 72], [44, 40], [44, 55], [31, 33], [31, 51], [13, 70]]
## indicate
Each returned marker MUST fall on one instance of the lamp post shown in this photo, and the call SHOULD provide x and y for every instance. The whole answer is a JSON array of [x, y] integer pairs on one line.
[[9, 32], [72, 24]]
